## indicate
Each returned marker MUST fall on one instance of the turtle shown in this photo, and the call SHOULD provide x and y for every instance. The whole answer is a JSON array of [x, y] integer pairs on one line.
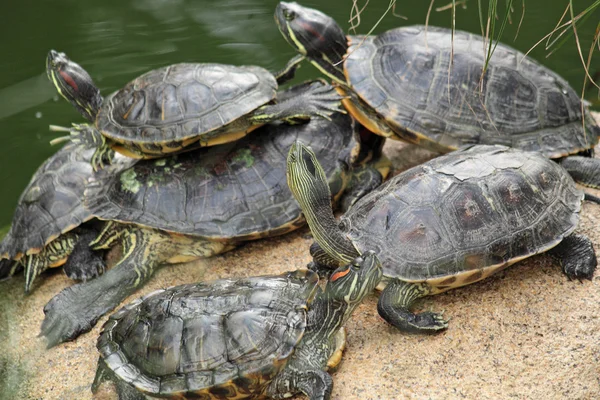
[[198, 204], [182, 106], [399, 85], [447, 223], [51, 226], [265, 336]]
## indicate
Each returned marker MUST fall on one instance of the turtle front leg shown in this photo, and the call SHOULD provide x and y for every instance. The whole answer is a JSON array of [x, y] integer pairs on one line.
[[84, 263], [316, 99], [576, 256], [91, 138], [76, 309], [584, 170], [394, 306], [316, 384], [289, 71], [124, 390]]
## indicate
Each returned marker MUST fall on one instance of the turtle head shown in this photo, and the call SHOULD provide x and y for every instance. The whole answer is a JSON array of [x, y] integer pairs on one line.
[[315, 35], [308, 184], [352, 282], [74, 84]]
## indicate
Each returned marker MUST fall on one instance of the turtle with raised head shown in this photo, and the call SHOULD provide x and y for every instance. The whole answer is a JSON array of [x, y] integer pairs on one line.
[[198, 204], [428, 86], [51, 227], [183, 106], [266, 336], [447, 223]]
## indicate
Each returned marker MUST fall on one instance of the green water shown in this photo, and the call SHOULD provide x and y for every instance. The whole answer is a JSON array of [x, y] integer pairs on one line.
[[118, 40]]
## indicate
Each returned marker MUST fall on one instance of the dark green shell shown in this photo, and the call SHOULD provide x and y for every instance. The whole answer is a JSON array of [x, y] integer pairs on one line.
[[206, 339], [403, 75], [482, 207], [182, 101], [236, 190], [51, 204]]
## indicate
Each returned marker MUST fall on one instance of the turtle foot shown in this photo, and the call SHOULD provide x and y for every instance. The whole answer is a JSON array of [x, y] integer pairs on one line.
[[83, 262], [577, 257], [68, 315], [76, 309], [87, 271], [426, 322], [321, 100], [429, 322]]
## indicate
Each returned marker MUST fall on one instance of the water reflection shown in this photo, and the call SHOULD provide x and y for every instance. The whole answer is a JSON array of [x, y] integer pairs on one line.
[[25, 95]]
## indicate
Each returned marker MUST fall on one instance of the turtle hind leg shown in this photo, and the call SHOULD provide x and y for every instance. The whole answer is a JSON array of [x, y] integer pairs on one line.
[[394, 306], [124, 390], [84, 263], [584, 170], [576, 256]]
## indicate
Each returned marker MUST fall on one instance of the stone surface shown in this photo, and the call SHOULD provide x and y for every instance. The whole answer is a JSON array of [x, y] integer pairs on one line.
[[526, 332]]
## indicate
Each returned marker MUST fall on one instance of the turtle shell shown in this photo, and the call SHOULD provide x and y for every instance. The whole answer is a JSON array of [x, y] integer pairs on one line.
[[236, 190], [403, 75], [169, 105], [51, 204], [460, 217], [212, 340]]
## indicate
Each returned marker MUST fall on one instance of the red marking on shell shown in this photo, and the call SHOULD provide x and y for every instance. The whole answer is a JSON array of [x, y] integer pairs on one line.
[[69, 80], [339, 275]]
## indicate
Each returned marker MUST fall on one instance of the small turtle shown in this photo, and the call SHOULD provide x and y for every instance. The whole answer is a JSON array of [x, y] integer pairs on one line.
[[50, 226], [182, 106], [399, 85], [197, 204], [265, 336], [447, 223]]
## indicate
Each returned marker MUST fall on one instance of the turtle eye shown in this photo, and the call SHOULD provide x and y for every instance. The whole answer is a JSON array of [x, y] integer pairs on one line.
[[289, 15]]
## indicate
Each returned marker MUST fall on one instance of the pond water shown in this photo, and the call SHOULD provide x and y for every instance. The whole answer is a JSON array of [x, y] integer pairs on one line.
[[118, 40]]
